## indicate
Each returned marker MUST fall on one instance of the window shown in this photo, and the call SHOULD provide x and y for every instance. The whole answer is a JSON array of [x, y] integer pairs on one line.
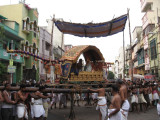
[[27, 24], [148, 29], [16, 47], [153, 49], [35, 34], [23, 25], [22, 47], [10, 45], [34, 48], [30, 26], [48, 46], [141, 57], [26, 47]]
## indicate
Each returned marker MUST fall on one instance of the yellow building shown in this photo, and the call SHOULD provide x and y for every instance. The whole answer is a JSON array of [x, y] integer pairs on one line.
[[27, 18]]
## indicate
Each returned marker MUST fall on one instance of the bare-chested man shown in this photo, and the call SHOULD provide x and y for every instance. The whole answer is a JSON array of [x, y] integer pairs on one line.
[[21, 107], [146, 95], [150, 94], [114, 112], [7, 109], [38, 109], [1, 100], [124, 95], [102, 103]]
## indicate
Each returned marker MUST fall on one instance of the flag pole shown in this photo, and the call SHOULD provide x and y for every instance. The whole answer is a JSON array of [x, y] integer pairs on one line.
[[123, 56], [131, 62]]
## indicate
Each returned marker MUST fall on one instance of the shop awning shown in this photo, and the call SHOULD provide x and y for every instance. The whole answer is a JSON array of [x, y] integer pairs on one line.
[[93, 29]]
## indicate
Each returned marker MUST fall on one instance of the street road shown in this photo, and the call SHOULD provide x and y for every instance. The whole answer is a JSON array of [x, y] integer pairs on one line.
[[89, 113]]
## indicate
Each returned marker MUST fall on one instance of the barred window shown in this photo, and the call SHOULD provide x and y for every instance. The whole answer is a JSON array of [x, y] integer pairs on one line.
[[153, 49]]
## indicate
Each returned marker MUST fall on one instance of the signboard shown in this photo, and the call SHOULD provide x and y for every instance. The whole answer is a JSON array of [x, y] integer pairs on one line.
[[11, 62], [11, 69]]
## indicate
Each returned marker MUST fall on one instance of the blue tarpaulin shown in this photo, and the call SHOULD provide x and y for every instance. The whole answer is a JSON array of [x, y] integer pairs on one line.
[[93, 30]]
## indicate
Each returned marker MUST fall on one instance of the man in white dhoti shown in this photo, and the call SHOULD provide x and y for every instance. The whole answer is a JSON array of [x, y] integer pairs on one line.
[[38, 108], [55, 100], [21, 107], [158, 108], [124, 95], [95, 98], [102, 103], [155, 95], [114, 112], [62, 100], [134, 99]]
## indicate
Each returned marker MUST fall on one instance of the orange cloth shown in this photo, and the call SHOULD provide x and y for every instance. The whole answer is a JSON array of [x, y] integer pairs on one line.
[[58, 69]]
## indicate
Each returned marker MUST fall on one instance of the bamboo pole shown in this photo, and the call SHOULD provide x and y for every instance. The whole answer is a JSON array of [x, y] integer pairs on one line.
[[131, 62], [54, 90], [123, 56]]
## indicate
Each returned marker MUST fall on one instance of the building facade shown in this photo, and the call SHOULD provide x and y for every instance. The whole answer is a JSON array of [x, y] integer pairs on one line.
[[10, 40], [45, 51], [150, 27], [53, 40], [27, 18]]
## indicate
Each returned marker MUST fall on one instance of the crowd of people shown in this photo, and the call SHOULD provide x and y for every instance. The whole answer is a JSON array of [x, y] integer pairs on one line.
[[126, 96]]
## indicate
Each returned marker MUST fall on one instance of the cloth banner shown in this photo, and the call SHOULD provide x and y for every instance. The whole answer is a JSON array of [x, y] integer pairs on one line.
[[91, 29], [66, 66]]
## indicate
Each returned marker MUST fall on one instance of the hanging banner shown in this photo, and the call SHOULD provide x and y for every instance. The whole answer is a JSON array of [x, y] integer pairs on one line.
[[93, 29]]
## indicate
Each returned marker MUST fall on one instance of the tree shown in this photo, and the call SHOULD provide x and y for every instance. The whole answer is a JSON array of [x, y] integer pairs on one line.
[[3, 72], [110, 75]]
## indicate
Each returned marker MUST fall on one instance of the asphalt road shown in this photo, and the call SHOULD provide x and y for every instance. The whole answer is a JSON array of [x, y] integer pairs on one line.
[[89, 113]]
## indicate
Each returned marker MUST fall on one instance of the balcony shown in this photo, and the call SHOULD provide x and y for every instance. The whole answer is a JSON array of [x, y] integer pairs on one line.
[[146, 5], [145, 41], [147, 19]]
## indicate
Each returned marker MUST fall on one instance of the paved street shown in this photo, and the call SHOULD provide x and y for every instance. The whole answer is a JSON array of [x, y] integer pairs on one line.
[[89, 113]]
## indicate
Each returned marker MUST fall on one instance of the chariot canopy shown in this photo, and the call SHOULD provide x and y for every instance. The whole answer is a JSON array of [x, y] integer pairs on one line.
[[89, 52]]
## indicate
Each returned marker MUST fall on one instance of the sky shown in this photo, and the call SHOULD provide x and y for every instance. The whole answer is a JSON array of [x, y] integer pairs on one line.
[[85, 11]]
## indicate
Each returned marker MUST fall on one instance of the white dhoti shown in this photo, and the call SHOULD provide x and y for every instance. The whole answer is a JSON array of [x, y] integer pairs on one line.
[[155, 96], [158, 108], [22, 111], [38, 110], [102, 106], [125, 108], [94, 96], [117, 116], [150, 97], [32, 113], [134, 99], [141, 98]]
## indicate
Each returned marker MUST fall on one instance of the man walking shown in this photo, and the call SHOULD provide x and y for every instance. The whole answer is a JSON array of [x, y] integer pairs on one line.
[[123, 93], [102, 103]]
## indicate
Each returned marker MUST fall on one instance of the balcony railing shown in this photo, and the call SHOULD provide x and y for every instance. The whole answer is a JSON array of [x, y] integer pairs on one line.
[[146, 5], [147, 19]]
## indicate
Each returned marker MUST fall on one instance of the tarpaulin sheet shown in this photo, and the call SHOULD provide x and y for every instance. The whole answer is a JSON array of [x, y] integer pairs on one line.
[[91, 29]]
